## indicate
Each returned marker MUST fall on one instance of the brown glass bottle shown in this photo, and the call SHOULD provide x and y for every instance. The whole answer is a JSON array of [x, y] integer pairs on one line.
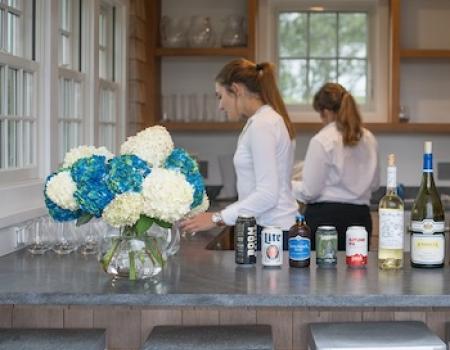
[[299, 243]]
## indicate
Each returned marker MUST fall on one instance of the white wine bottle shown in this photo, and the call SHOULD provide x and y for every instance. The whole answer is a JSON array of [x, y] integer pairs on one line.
[[391, 216], [427, 220]]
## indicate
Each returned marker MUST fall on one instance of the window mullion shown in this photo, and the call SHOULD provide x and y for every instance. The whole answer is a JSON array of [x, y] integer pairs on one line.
[[20, 113], [308, 44], [337, 46]]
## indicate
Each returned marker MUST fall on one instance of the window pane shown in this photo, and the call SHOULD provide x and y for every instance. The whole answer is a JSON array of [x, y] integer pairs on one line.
[[102, 30], [293, 33], [14, 3], [27, 93], [353, 34], [292, 80], [13, 27], [103, 64], [12, 144], [320, 72], [352, 75], [2, 19], [64, 12], [64, 50], [2, 144], [323, 34], [26, 137], [12, 91], [2, 84], [77, 100]]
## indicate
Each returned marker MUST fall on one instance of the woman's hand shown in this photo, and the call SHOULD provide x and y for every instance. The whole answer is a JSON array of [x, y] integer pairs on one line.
[[200, 222]]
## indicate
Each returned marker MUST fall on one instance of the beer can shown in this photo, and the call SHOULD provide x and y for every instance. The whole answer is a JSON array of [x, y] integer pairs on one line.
[[245, 240], [356, 246], [272, 246], [326, 246]]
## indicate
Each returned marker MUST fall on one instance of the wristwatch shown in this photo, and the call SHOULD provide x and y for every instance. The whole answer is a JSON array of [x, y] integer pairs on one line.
[[216, 218]]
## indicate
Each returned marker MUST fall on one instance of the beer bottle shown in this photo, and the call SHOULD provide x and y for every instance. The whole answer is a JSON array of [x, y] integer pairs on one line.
[[299, 243]]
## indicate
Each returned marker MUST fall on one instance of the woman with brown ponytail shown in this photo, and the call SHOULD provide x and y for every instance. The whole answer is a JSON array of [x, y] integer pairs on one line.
[[341, 166], [264, 154]]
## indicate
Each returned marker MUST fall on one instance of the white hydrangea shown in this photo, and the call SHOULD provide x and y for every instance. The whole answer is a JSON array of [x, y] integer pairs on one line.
[[153, 145], [167, 195], [83, 152], [201, 208], [124, 210], [60, 189]]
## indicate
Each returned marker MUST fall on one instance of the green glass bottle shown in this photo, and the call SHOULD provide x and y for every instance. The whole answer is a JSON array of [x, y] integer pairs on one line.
[[427, 220]]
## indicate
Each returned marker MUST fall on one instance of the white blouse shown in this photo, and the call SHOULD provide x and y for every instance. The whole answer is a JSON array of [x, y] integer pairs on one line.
[[263, 162], [337, 173]]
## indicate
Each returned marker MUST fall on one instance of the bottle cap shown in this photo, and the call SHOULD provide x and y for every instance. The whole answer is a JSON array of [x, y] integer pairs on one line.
[[428, 148], [300, 217], [391, 159]]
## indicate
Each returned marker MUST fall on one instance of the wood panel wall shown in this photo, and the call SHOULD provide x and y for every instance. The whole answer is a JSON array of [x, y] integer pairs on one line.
[[139, 67], [127, 327]]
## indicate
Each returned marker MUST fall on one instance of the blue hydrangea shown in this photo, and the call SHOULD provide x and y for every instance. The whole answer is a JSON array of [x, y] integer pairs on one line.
[[93, 197], [196, 181], [89, 169], [180, 160], [126, 173], [55, 211]]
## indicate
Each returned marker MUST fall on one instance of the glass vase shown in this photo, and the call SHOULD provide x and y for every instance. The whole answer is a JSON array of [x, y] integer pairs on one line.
[[132, 257]]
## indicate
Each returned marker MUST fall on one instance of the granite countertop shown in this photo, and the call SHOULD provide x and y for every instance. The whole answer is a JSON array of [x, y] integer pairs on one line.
[[200, 277]]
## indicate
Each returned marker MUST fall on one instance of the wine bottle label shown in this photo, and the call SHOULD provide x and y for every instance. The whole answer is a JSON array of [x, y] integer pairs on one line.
[[391, 177], [391, 228], [427, 249], [427, 226], [299, 248]]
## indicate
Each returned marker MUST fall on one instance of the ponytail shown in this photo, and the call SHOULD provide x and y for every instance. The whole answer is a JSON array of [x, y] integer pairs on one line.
[[335, 98], [260, 80]]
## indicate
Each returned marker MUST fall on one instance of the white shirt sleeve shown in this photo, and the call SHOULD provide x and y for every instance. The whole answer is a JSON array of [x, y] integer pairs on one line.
[[315, 172], [263, 145]]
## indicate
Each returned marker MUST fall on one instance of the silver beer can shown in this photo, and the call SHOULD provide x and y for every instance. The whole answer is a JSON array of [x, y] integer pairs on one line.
[[272, 246]]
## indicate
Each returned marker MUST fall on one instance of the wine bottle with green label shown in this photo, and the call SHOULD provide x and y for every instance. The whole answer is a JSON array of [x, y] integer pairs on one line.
[[427, 220]]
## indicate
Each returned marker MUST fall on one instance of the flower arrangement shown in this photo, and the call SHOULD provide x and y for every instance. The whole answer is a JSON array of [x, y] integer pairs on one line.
[[150, 182]]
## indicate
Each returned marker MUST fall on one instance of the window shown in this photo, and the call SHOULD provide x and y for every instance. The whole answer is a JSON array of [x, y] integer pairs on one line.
[[111, 66], [316, 47], [313, 42], [18, 118], [69, 34], [71, 116]]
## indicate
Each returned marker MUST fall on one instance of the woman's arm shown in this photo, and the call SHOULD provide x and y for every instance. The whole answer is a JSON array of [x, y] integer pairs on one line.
[[315, 172]]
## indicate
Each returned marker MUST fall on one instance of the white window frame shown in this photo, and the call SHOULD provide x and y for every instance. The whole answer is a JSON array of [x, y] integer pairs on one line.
[[376, 110], [26, 196]]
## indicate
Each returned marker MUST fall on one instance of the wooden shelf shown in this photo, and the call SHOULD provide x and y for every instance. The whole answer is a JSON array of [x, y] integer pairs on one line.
[[212, 51], [418, 53], [433, 128]]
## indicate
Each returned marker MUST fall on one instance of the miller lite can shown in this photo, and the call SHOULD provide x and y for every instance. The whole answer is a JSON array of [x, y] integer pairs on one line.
[[272, 246], [245, 240]]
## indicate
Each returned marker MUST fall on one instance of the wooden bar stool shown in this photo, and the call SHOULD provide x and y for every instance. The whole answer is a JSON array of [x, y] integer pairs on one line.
[[52, 339], [400, 335], [236, 337]]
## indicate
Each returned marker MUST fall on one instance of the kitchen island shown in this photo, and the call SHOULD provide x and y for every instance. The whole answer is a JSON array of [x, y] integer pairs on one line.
[[200, 286]]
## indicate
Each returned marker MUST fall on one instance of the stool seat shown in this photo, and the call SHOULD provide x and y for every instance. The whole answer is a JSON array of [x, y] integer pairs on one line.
[[235, 337], [52, 339], [400, 335]]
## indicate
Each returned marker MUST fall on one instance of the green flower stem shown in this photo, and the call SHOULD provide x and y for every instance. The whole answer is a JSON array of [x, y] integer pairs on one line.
[[106, 260], [153, 252], [131, 256]]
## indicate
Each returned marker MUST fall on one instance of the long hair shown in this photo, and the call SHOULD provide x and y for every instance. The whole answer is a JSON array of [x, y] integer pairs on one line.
[[259, 79], [336, 98]]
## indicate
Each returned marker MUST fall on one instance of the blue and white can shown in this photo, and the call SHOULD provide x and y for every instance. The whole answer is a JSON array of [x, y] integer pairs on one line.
[[272, 246]]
